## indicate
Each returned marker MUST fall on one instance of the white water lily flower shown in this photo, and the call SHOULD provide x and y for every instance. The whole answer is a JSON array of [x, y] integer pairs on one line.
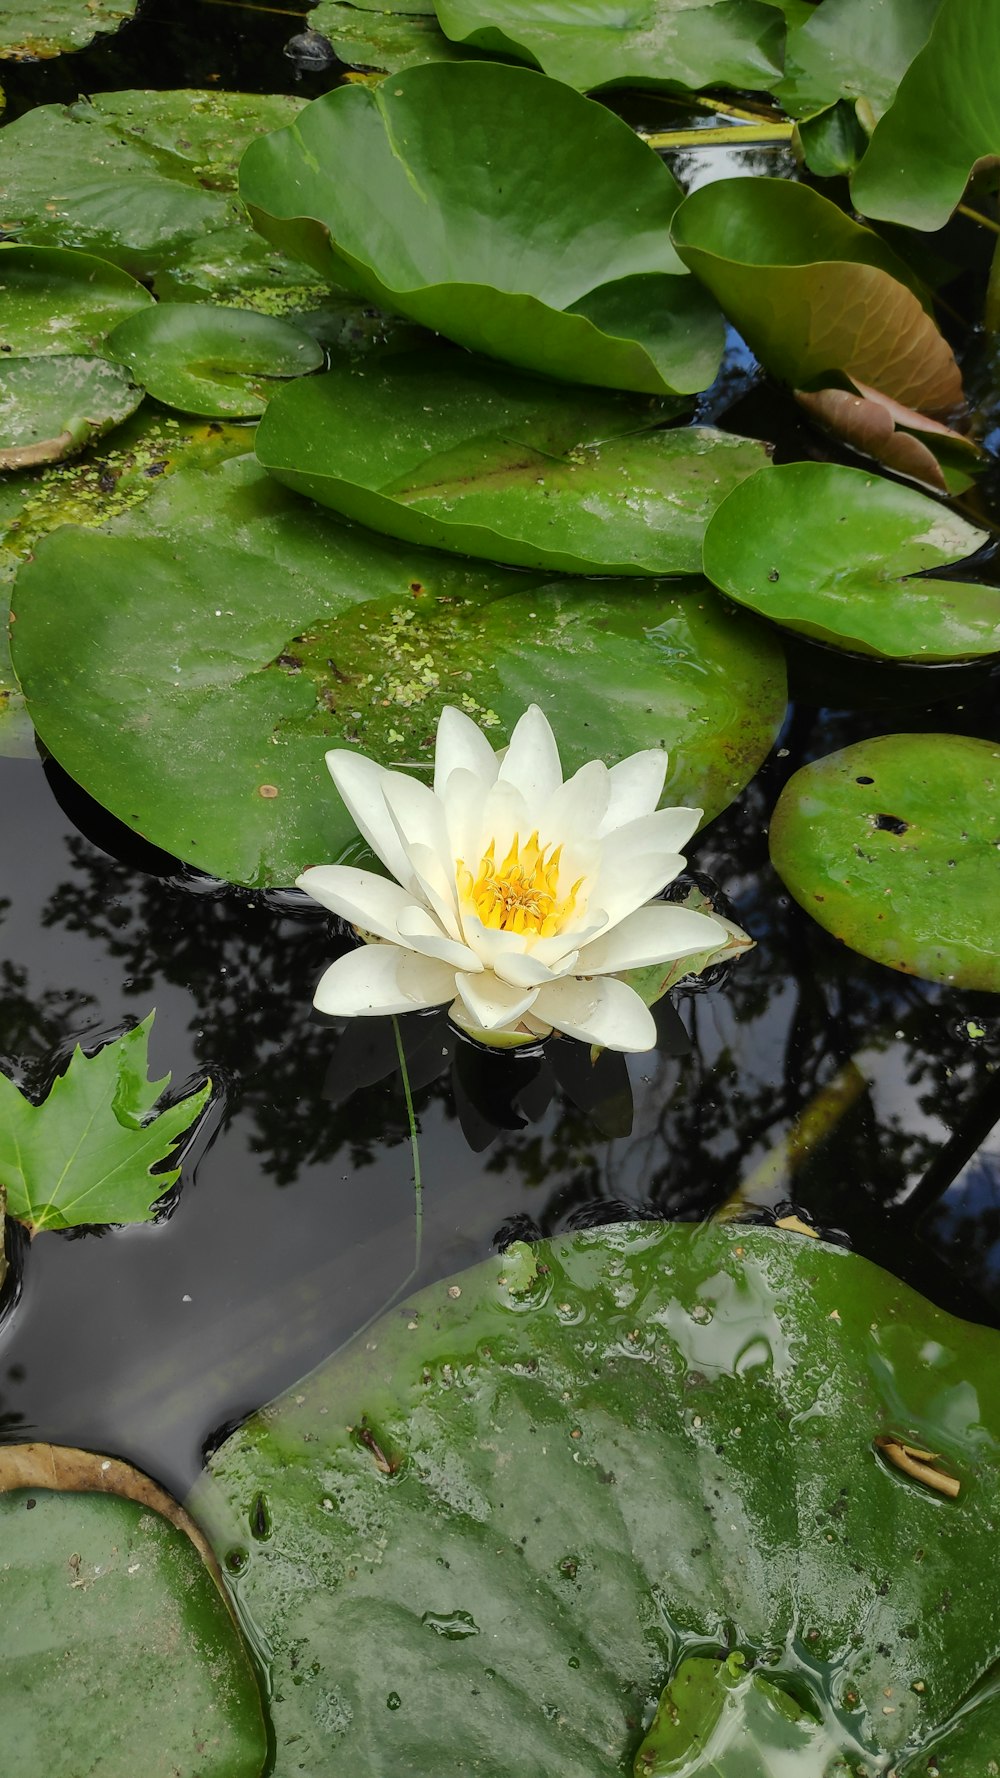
[[518, 897]]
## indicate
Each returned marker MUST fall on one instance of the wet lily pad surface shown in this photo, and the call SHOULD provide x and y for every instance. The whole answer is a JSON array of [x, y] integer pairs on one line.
[[892, 846], [55, 300], [209, 360], [51, 407], [488, 1533]]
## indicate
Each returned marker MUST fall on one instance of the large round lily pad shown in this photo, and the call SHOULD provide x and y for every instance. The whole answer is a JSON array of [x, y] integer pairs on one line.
[[209, 360], [683, 44], [52, 407], [488, 1534], [814, 293], [191, 664], [893, 845], [849, 558], [55, 300], [133, 176], [32, 30], [548, 246], [118, 1653], [437, 448]]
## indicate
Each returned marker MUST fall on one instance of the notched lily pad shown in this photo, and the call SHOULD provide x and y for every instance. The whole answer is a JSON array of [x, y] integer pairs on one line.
[[376, 189], [598, 1473], [848, 558], [893, 846], [52, 407], [228, 621], [439, 449], [212, 361]]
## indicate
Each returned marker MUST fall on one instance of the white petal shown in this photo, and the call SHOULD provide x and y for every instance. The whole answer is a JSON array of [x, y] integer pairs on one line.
[[525, 969], [383, 979], [489, 944], [631, 881], [436, 884], [667, 828], [490, 1002], [464, 800], [418, 815], [360, 782], [603, 1011], [420, 930], [532, 759], [636, 785], [461, 746], [371, 902], [659, 933], [577, 808]]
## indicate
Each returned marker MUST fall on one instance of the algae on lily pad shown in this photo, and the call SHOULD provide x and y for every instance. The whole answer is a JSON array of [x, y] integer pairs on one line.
[[892, 846], [225, 633], [679, 44], [849, 558], [34, 30], [505, 1518], [52, 407], [209, 360], [439, 449], [134, 177], [525, 250]]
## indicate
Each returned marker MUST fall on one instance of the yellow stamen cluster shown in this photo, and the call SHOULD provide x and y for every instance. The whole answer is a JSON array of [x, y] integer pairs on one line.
[[522, 893]]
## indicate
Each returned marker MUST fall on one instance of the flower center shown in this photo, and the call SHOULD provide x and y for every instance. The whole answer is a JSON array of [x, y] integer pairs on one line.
[[522, 893]]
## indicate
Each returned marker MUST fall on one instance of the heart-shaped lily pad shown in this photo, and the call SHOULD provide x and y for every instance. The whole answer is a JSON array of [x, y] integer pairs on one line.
[[52, 407], [849, 558], [205, 359], [132, 176], [226, 634], [55, 300], [491, 1532], [32, 30], [685, 44], [439, 449], [552, 271], [814, 293], [119, 1654], [893, 845]]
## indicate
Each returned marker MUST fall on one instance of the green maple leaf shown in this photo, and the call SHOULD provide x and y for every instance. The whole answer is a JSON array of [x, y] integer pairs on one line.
[[84, 1155]]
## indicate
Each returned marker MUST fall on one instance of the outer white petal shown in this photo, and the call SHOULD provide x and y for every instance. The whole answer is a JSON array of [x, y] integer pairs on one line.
[[525, 969], [419, 929], [532, 759], [636, 785], [383, 979], [620, 891], [492, 1003], [603, 1011], [360, 782], [659, 933], [371, 902], [667, 828], [461, 746]]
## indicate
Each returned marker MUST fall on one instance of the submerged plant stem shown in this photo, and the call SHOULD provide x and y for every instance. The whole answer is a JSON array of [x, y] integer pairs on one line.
[[418, 1184]]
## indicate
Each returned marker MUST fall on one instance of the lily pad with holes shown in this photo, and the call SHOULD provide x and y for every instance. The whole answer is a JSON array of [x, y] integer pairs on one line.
[[679, 44], [439, 449], [524, 250], [33, 30], [849, 558], [119, 1654], [217, 362], [225, 634], [135, 177], [814, 293], [494, 1529], [53, 300], [52, 407], [893, 846]]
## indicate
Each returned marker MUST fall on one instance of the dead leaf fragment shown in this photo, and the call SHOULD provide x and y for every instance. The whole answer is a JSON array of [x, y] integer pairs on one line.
[[921, 1465], [66, 1470]]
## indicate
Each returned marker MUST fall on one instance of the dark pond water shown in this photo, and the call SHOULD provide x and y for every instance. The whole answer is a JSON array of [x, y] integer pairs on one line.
[[295, 1220]]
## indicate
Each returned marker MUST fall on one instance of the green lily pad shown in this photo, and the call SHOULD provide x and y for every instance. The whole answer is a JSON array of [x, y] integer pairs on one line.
[[32, 30], [135, 177], [376, 189], [370, 37], [892, 846], [439, 449], [815, 294], [238, 268], [491, 1531], [53, 300], [209, 360], [848, 558], [856, 50], [679, 44], [914, 175], [226, 634], [119, 1654], [17, 732], [51, 407]]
